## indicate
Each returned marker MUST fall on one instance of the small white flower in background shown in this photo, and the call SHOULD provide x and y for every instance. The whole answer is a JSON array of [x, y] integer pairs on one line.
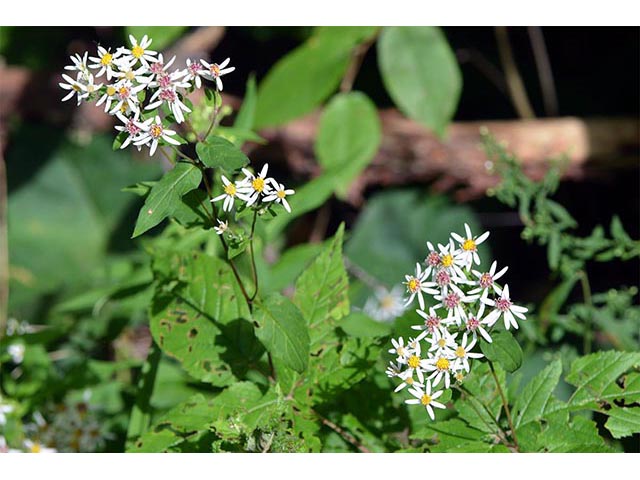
[[463, 353], [36, 447], [504, 307], [16, 352], [214, 71], [469, 246], [222, 226], [139, 51], [426, 398], [279, 194], [417, 285], [231, 192], [4, 410], [385, 305], [154, 131], [253, 186], [486, 281], [194, 72], [104, 62]]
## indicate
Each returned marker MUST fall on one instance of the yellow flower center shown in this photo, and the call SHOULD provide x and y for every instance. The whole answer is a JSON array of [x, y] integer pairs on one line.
[[469, 244], [106, 59], [123, 90], [156, 131], [258, 184], [425, 399], [387, 302], [442, 342], [111, 90], [130, 75], [137, 51], [91, 88], [215, 69], [280, 194], [447, 260], [459, 376], [413, 285], [409, 381], [460, 352], [230, 189], [414, 361], [35, 448], [442, 364], [76, 87], [400, 351]]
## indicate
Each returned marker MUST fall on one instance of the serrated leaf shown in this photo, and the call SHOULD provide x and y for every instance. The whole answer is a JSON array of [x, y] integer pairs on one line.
[[217, 152], [482, 407], [579, 435], [533, 399], [166, 195], [504, 350], [421, 74], [449, 429], [349, 134], [595, 376], [322, 290], [623, 422], [283, 331]]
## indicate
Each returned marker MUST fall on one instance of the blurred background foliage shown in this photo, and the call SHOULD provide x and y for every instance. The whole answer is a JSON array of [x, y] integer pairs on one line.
[[75, 270]]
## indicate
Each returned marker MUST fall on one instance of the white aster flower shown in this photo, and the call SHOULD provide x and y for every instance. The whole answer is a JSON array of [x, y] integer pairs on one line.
[[400, 349], [385, 305], [74, 87], [433, 259], [79, 64], [463, 353], [16, 352], [104, 61], [231, 192], [279, 195], [89, 88], [193, 72], [486, 281], [253, 186], [394, 369], [214, 71], [127, 72], [37, 447], [407, 379], [222, 226], [131, 126], [171, 97], [4, 410], [443, 342], [474, 324], [139, 51], [441, 366], [127, 96], [504, 307], [426, 398], [453, 302], [431, 321], [158, 68], [417, 285], [450, 262], [468, 253], [154, 131]]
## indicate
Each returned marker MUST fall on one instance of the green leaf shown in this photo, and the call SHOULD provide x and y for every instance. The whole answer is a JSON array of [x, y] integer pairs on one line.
[[217, 152], [141, 189], [579, 435], [313, 71], [165, 196], [322, 290], [617, 230], [447, 431], [504, 350], [357, 324], [282, 331], [623, 422], [595, 376], [247, 113], [349, 135], [532, 401], [421, 74], [162, 36], [553, 250], [290, 265], [194, 322], [191, 210], [483, 406]]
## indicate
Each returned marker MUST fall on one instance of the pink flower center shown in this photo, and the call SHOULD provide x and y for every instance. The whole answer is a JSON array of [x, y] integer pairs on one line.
[[132, 128], [214, 69], [432, 322], [168, 95], [123, 93], [156, 67], [486, 280], [164, 80], [472, 323], [443, 278], [194, 69], [452, 300], [503, 304], [433, 259]]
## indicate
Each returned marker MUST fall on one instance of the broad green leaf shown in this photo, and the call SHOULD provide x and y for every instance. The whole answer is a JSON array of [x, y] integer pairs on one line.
[[217, 152], [195, 322], [322, 291], [282, 331], [623, 422], [357, 324], [141, 189], [470, 447], [162, 36], [305, 77], [531, 402], [455, 428], [349, 135], [595, 376], [165, 196], [578, 436], [290, 265], [483, 406], [193, 210], [391, 232], [421, 74], [504, 350], [247, 113]]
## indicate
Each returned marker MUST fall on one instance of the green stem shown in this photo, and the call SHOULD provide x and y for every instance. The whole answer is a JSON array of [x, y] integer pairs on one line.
[[254, 271], [141, 411], [506, 406], [586, 293], [501, 433], [214, 118]]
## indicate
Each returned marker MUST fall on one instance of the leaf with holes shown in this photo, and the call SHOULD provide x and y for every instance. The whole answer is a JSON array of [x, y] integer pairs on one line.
[[282, 330], [166, 195]]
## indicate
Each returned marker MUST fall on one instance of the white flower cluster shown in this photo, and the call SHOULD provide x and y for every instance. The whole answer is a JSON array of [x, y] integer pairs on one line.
[[254, 190], [133, 74], [460, 295]]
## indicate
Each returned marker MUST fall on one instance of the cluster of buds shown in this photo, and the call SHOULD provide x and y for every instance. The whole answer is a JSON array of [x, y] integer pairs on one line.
[[466, 302], [131, 75]]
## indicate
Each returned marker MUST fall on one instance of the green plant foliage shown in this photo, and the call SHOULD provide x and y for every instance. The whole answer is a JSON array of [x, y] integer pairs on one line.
[[349, 135], [282, 330], [166, 195], [504, 349], [217, 152], [532, 401], [421, 74]]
